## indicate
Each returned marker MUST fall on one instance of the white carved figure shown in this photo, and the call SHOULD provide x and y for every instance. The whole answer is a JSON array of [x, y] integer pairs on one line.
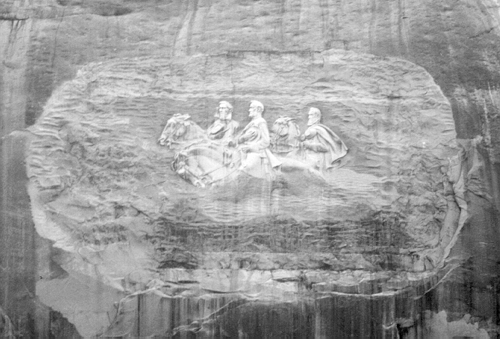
[[253, 142], [285, 136], [320, 146], [223, 128], [179, 129], [207, 163]]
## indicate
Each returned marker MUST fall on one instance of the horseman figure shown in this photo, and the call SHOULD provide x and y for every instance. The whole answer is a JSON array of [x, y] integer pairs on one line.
[[253, 142], [180, 129], [223, 128], [320, 146], [220, 154]]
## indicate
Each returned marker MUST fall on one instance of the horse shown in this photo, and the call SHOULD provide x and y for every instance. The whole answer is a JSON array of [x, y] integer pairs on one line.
[[286, 144], [207, 163], [285, 136], [179, 130], [204, 162]]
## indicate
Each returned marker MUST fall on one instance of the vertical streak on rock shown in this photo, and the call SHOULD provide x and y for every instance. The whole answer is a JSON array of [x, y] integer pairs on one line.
[[491, 17], [17, 238], [372, 30], [189, 33], [490, 102], [311, 25], [204, 18], [180, 29], [299, 12], [325, 27], [403, 28], [233, 93], [288, 22], [494, 154], [391, 32], [139, 317], [337, 8], [40, 70], [295, 15], [281, 23], [14, 35], [17, 235], [183, 38], [54, 53]]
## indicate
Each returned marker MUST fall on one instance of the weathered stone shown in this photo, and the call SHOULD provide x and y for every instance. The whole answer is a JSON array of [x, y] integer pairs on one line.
[[383, 209], [46, 42]]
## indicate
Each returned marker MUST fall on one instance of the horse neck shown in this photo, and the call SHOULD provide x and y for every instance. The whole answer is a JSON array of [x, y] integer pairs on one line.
[[193, 131], [293, 131]]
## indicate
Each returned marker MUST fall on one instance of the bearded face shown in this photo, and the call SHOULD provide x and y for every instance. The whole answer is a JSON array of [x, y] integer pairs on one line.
[[254, 111], [224, 112], [314, 117]]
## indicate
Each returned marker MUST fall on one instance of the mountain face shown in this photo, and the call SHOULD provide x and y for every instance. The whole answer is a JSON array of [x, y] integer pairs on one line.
[[101, 236]]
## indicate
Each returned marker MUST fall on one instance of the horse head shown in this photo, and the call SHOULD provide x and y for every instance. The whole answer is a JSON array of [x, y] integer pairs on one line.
[[285, 133], [180, 128], [206, 163]]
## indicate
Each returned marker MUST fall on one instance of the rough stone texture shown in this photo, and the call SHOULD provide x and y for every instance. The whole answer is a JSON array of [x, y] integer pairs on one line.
[[103, 191], [46, 42], [94, 156]]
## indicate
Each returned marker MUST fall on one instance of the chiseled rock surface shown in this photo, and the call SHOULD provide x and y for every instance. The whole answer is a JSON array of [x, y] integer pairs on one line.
[[45, 42], [103, 191]]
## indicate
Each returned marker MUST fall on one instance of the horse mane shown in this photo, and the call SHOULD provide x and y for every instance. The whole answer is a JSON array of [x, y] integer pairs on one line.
[[193, 131], [293, 128]]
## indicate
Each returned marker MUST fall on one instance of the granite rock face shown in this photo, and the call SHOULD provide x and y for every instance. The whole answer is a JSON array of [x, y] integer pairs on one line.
[[103, 191], [431, 214]]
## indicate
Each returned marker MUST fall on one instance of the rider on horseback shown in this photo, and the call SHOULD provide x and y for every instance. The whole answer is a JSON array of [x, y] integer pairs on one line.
[[253, 142], [321, 147], [223, 127]]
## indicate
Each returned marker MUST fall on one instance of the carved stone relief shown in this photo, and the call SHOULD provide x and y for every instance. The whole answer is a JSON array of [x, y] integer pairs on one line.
[[350, 175], [206, 162], [223, 154]]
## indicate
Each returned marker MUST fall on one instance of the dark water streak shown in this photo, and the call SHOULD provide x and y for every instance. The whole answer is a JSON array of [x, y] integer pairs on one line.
[[18, 262]]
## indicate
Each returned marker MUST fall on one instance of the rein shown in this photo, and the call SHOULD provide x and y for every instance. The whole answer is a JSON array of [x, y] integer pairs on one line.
[[205, 174]]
